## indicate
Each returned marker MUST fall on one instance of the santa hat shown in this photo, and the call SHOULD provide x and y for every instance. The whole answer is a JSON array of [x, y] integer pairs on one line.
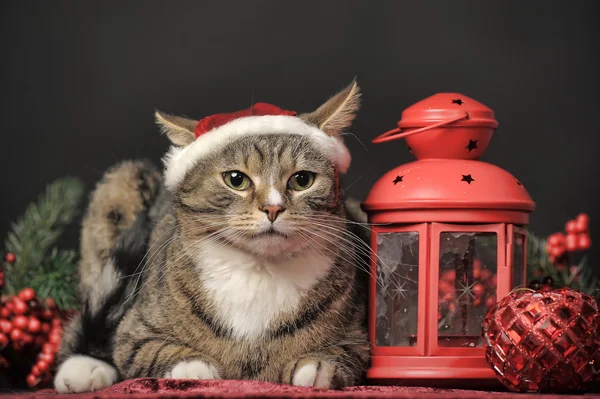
[[216, 131]]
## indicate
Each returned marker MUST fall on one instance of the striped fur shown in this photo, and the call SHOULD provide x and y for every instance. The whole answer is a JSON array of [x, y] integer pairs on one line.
[[184, 284]]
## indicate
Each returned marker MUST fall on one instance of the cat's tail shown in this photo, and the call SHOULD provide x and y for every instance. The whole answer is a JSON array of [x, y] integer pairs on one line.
[[123, 208]]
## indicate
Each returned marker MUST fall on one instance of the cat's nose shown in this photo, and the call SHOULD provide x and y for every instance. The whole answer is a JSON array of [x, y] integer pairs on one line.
[[272, 211]]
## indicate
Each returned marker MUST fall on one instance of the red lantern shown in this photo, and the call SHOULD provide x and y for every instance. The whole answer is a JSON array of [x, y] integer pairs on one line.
[[449, 240]]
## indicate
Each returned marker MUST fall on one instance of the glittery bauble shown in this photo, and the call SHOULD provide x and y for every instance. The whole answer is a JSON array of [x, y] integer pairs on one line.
[[544, 341]]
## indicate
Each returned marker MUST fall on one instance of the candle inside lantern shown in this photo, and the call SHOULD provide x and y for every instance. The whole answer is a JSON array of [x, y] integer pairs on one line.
[[449, 240]]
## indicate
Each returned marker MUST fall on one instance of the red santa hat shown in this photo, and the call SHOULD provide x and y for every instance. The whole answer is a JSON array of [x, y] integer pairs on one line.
[[216, 131]]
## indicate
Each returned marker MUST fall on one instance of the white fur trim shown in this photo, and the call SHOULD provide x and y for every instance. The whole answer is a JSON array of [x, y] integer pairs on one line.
[[178, 161]]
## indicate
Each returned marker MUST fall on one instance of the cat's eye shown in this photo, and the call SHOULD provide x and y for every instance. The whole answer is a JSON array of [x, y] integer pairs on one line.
[[237, 180], [301, 180]]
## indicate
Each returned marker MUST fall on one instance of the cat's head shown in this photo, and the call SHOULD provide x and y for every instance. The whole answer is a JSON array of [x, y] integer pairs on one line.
[[268, 184]]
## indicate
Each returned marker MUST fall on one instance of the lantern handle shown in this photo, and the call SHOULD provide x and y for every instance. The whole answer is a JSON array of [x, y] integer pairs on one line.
[[392, 134]]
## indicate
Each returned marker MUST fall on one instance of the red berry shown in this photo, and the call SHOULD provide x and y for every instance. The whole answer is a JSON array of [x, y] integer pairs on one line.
[[20, 322], [43, 366], [32, 380], [35, 371], [47, 348], [20, 307], [56, 323], [34, 325], [556, 252], [27, 338], [16, 334], [5, 313], [478, 289], [3, 340], [27, 294], [46, 314], [48, 357], [570, 227], [54, 339], [46, 328], [50, 303], [583, 242], [10, 257], [490, 301], [571, 242], [39, 341], [9, 306], [582, 222], [556, 239], [5, 326]]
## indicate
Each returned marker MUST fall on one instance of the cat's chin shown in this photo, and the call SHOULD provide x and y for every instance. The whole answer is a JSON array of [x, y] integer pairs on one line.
[[276, 245]]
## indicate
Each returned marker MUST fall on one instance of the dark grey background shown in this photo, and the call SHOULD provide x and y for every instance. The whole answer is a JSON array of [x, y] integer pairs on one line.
[[80, 81]]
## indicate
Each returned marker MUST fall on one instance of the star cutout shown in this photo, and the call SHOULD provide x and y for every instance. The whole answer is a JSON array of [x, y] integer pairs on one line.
[[398, 179], [459, 102], [472, 145], [401, 292], [465, 291], [467, 178]]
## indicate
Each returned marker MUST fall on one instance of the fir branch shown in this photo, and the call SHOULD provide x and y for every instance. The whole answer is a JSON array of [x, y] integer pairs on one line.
[[34, 234], [59, 282]]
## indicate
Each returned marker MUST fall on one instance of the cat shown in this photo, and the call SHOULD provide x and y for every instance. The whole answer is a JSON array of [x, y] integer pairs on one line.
[[237, 262]]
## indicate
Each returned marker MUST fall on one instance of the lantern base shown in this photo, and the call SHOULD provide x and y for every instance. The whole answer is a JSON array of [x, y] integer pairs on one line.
[[466, 372]]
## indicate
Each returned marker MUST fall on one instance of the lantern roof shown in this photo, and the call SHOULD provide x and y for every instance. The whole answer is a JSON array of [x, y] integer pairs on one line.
[[448, 184], [447, 133]]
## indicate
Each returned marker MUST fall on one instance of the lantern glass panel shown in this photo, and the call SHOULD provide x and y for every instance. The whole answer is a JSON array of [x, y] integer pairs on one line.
[[518, 272], [467, 286], [397, 289]]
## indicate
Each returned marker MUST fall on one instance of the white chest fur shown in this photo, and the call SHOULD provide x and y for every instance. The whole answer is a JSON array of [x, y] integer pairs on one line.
[[250, 291]]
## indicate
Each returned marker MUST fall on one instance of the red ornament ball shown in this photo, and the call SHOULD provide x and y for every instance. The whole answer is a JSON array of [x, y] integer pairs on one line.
[[544, 341], [10, 257]]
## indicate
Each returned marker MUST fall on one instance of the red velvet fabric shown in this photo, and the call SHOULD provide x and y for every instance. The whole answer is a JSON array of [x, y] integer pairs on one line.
[[163, 388]]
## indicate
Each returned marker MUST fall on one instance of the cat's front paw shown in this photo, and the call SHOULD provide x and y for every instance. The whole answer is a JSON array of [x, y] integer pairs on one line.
[[313, 373], [84, 374], [194, 370]]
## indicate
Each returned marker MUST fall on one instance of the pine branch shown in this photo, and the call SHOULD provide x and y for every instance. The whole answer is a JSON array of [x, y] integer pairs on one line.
[[59, 282], [34, 234]]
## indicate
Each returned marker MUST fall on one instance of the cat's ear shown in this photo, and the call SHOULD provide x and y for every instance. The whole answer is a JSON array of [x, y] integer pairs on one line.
[[179, 130], [337, 113]]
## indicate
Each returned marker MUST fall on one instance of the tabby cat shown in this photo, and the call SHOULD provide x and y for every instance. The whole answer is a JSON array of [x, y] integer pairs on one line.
[[237, 262]]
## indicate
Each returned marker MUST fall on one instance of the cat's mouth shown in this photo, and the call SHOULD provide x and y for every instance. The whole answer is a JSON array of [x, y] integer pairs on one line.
[[271, 232]]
